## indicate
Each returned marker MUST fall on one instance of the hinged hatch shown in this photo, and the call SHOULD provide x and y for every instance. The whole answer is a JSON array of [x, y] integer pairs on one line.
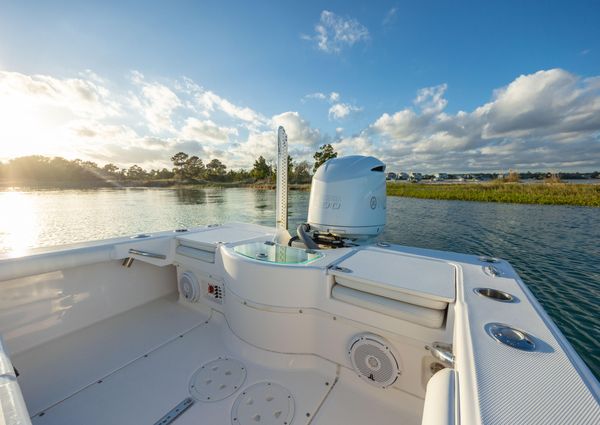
[[414, 280]]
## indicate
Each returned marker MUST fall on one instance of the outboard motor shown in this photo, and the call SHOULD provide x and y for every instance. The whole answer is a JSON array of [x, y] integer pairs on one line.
[[347, 202]]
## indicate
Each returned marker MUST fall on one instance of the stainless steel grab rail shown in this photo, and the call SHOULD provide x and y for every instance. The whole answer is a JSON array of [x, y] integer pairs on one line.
[[147, 254]]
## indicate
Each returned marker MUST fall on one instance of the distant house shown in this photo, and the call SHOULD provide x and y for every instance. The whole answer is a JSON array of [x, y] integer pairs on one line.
[[440, 176], [402, 176], [415, 177], [391, 176]]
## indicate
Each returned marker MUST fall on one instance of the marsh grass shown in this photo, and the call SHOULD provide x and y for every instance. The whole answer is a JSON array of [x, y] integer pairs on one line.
[[554, 193]]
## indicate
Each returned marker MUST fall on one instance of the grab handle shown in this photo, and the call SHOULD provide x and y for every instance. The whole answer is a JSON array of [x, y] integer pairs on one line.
[[147, 254]]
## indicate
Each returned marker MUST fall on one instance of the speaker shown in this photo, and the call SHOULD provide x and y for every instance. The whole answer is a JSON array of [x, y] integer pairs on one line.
[[189, 287], [373, 360]]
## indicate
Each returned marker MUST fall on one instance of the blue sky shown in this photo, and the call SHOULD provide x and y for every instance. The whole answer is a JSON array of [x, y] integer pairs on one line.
[[423, 85]]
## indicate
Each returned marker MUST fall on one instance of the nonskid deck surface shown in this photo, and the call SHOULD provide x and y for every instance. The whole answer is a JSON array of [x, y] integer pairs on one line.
[[150, 384]]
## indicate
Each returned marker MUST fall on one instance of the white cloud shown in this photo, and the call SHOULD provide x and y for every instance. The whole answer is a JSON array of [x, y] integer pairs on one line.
[[317, 95], [298, 130], [145, 124], [334, 33], [75, 96], [331, 97], [431, 99], [342, 110], [211, 100], [208, 101], [390, 16], [206, 131], [157, 102], [546, 120], [338, 110]]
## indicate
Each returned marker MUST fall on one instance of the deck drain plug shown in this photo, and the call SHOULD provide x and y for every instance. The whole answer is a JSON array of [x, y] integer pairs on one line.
[[217, 380], [265, 403]]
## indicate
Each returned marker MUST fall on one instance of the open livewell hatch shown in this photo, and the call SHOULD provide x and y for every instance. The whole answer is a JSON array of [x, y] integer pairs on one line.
[[202, 245], [411, 288]]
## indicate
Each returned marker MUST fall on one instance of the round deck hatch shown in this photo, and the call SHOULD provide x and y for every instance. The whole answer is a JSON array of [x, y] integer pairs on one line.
[[263, 403], [217, 380], [510, 336]]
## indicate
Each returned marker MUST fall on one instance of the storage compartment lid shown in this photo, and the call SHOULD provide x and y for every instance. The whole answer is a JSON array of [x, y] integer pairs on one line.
[[208, 239], [414, 280]]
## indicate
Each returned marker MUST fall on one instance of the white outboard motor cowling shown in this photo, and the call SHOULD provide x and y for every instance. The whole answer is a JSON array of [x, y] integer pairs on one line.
[[348, 197]]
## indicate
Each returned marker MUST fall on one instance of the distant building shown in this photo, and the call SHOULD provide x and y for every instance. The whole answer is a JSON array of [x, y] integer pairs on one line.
[[391, 176], [415, 177], [402, 176], [440, 176]]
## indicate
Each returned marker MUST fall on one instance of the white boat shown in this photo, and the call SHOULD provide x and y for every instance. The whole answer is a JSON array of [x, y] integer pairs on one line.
[[239, 324]]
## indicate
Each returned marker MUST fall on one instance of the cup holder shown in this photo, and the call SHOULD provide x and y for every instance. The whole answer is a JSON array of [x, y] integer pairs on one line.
[[510, 336], [496, 295]]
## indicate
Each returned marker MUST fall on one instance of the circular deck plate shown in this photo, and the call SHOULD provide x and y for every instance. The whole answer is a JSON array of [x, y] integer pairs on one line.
[[510, 336], [265, 403], [217, 380]]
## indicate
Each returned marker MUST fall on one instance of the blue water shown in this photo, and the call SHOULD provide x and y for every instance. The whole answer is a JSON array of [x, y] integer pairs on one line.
[[555, 249]]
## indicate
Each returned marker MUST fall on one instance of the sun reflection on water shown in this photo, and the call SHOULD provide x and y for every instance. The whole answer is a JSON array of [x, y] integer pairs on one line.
[[19, 228]]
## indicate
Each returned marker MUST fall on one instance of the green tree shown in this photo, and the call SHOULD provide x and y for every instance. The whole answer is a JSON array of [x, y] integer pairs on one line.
[[215, 169], [194, 167], [90, 164], [324, 154], [238, 175], [164, 174], [110, 169], [179, 160], [135, 172], [302, 172], [261, 170]]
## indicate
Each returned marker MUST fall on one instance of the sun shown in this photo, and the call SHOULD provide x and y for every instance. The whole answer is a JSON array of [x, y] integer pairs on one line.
[[30, 127]]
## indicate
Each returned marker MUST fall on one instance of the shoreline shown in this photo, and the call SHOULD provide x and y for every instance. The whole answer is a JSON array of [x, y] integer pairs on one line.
[[541, 193]]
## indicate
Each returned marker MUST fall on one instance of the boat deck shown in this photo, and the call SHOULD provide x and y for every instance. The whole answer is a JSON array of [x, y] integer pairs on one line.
[[135, 367]]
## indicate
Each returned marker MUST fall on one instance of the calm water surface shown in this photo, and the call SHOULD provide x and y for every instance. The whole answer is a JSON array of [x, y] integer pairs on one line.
[[555, 249]]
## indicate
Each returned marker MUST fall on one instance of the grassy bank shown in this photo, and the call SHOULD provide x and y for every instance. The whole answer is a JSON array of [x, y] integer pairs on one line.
[[534, 193]]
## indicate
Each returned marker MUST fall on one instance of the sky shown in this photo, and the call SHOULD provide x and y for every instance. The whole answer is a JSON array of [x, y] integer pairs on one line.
[[428, 86]]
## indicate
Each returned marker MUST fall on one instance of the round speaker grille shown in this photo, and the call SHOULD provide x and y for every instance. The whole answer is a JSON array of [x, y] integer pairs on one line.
[[189, 287], [373, 360]]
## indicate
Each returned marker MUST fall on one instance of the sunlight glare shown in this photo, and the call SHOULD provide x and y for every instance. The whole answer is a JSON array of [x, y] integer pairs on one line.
[[19, 229]]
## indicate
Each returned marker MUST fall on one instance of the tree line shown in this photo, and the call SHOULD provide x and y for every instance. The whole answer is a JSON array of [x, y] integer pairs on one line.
[[186, 168]]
